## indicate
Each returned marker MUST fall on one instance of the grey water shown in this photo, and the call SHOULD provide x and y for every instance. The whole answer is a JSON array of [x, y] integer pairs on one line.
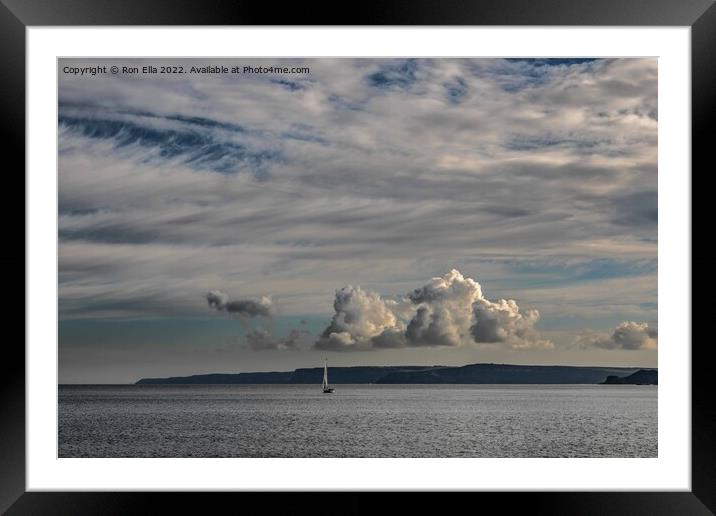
[[357, 421]]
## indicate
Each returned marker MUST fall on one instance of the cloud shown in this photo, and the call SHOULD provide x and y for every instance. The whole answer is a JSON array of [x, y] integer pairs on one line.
[[637, 209], [217, 299], [220, 301], [390, 338], [502, 321], [444, 311], [200, 143], [628, 335], [360, 316], [400, 74], [447, 311], [260, 339], [163, 181]]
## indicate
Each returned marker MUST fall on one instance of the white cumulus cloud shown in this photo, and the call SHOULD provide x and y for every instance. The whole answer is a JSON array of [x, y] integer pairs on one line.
[[360, 316], [627, 335], [447, 311], [444, 310], [503, 321]]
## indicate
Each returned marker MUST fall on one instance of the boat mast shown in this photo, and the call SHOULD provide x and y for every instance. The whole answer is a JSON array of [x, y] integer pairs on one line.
[[325, 373]]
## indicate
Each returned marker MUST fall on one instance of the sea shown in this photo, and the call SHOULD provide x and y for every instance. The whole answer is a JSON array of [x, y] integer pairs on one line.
[[357, 421]]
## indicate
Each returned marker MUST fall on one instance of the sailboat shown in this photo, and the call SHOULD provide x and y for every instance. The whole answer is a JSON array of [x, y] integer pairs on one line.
[[326, 388]]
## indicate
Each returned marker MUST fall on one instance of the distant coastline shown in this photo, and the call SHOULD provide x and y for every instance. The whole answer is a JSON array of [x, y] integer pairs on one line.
[[641, 377], [467, 374]]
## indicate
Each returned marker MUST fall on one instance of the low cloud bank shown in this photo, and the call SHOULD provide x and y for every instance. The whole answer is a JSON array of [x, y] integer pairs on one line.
[[260, 339], [628, 335]]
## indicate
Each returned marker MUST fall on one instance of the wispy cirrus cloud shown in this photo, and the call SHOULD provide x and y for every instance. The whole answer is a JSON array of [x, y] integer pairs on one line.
[[373, 172]]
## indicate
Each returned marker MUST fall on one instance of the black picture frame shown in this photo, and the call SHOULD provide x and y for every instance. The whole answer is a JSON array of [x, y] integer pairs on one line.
[[17, 15]]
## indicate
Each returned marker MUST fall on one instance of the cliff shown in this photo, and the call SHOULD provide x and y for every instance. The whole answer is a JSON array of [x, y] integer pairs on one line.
[[641, 377]]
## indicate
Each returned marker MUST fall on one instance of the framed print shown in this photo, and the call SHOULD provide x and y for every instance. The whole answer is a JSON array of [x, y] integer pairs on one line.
[[418, 250]]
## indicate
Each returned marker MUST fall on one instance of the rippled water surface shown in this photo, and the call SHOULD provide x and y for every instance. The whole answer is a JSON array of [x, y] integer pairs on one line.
[[358, 421]]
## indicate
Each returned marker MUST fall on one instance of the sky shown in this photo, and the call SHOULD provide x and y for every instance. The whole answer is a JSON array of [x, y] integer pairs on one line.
[[371, 211]]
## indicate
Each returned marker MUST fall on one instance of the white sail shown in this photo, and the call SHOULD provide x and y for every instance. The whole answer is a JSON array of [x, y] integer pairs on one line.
[[325, 374]]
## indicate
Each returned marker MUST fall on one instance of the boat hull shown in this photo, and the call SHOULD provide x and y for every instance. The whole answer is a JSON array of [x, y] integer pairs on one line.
[[327, 391]]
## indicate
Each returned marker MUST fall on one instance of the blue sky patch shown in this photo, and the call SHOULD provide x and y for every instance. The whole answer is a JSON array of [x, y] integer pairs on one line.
[[289, 85], [552, 61], [456, 90], [195, 148], [400, 76]]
